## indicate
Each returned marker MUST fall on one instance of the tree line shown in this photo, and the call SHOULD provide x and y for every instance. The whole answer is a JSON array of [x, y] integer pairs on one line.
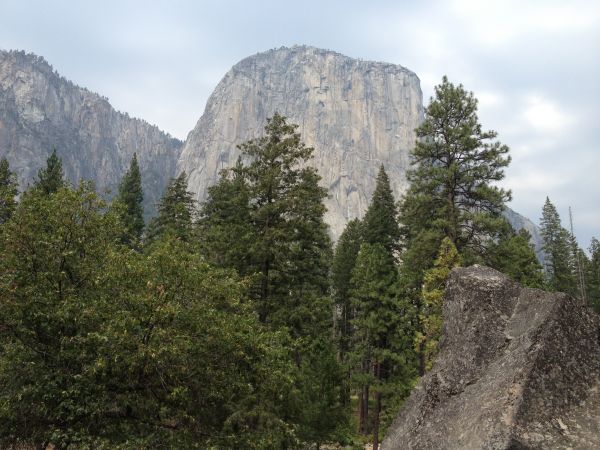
[[236, 323]]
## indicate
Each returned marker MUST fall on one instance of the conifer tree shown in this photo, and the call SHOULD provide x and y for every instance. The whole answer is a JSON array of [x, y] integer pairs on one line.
[[383, 332], [225, 228], [380, 221], [513, 254], [129, 201], [433, 294], [344, 259], [452, 192], [8, 191], [51, 178], [265, 219], [593, 275], [557, 250], [176, 211]]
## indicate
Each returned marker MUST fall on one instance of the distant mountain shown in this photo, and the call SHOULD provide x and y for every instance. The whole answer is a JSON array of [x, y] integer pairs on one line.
[[356, 114], [40, 110]]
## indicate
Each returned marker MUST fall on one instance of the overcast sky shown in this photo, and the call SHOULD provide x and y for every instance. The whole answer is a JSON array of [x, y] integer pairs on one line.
[[533, 65]]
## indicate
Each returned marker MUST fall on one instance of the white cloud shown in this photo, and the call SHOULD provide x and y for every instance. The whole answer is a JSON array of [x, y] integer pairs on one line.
[[546, 116]]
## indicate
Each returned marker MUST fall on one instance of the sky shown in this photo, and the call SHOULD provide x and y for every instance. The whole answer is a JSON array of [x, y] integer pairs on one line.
[[533, 65]]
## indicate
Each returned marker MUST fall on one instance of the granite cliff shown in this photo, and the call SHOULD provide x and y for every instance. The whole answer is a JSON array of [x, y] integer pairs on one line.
[[39, 111], [356, 114], [518, 368]]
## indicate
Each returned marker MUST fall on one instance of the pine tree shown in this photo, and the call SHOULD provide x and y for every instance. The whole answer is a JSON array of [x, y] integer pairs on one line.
[[176, 211], [433, 294], [380, 221], [8, 191], [129, 202], [51, 178], [593, 275], [557, 250], [344, 259], [514, 255], [452, 192], [383, 332], [225, 228], [265, 219]]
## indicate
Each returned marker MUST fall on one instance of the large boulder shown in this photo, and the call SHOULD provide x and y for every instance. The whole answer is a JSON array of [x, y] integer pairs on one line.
[[518, 368]]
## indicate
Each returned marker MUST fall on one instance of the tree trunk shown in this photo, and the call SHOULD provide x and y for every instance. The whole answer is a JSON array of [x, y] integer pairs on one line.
[[365, 397], [377, 410]]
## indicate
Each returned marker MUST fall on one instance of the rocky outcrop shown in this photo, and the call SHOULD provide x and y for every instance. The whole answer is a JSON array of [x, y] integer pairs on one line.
[[356, 114], [39, 111], [517, 369]]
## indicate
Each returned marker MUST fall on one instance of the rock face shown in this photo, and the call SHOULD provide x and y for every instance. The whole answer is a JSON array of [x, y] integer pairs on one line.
[[356, 114], [518, 222], [40, 111], [517, 369]]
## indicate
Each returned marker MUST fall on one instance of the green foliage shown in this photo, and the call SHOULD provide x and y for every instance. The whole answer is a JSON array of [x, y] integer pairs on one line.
[[558, 251], [431, 316], [51, 178], [129, 203], [101, 347], [383, 327], [225, 229], [344, 259], [452, 192], [264, 219], [8, 191], [176, 211], [380, 223], [514, 255], [592, 275]]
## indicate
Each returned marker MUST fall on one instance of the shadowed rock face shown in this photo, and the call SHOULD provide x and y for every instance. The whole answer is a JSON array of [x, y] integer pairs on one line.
[[39, 111], [356, 114], [517, 369]]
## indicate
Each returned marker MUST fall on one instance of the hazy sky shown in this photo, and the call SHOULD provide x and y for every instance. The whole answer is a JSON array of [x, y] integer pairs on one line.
[[533, 65]]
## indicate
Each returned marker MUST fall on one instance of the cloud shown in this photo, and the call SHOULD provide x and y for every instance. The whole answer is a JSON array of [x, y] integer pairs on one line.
[[546, 116]]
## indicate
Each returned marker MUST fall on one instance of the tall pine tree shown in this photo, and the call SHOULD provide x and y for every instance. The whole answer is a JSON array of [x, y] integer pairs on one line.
[[129, 203], [8, 191], [176, 211], [452, 192], [51, 178], [592, 275], [380, 221], [265, 219], [557, 251]]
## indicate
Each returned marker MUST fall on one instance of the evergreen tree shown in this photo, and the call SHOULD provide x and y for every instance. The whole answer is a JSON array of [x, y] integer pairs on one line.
[[129, 202], [383, 331], [8, 191], [514, 255], [433, 294], [557, 250], [452, 192], [592, 275], [51, 178], [225, 229], [176, 211], [380, 222], [265, 219]]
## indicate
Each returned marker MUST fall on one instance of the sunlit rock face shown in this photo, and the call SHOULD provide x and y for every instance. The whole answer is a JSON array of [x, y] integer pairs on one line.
[[356, 114], [39, 111]]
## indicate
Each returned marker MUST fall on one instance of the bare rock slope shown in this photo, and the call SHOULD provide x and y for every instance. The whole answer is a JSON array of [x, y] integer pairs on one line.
[[356, 114], [517, 369], [39, 111]]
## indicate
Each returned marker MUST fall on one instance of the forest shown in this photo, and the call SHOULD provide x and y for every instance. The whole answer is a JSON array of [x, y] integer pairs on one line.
[[237, 323]]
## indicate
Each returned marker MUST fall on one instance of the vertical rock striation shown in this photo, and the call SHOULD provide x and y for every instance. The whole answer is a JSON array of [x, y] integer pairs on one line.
[[356, 114], [39, 111]]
